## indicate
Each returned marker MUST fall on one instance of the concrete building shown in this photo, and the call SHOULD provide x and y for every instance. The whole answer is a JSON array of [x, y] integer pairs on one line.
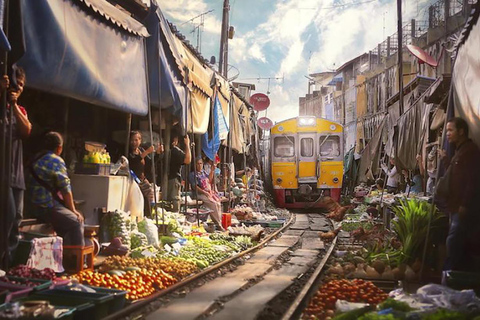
[[366, 87]]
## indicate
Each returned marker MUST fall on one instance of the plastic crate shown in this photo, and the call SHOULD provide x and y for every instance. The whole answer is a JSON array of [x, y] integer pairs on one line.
[[67, 315], [101, 301], [82, 309], [116, 304], [41, 284], [14, 291], [98, 169]]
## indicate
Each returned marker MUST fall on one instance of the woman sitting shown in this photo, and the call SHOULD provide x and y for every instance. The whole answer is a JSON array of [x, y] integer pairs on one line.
[[203, 186]]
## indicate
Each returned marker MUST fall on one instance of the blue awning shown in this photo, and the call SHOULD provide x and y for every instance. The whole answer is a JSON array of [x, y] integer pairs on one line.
[[167, 89], [88, 50], [338, 78]]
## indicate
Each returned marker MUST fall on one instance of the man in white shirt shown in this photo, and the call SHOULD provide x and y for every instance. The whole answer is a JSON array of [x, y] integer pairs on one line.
[[392, 177]]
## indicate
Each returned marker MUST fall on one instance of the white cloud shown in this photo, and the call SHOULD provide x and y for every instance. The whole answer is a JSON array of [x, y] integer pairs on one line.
[[256, 52], [293, 58], [291, 31]]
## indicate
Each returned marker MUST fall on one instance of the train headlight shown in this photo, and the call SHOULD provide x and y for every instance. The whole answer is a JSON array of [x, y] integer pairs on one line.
[[306, 121], [279, 180], [335, 180]]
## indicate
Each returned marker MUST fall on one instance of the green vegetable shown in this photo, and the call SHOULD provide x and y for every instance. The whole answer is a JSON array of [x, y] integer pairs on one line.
[[376, 316], [395, 305], [353, 314], [168, 240], [412, 224], [444, 314]]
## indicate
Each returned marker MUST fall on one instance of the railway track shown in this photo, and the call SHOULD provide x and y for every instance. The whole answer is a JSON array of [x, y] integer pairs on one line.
[[273, 280]]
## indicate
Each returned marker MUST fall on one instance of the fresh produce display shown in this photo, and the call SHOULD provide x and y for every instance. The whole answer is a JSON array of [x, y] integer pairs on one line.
[[148, 227], [237, 244], [144, 252], [22, 282], [27, 272], [353, 225], [443, 314], [138, 239], [177, 267], [204, 252], [395, 305], [138, 283], [411, 226], [243, 212], [119, 226], [252, 231], [322, 305]]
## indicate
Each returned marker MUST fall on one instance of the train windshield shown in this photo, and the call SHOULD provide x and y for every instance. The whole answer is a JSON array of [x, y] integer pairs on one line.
[[284, 146], [329, 146]]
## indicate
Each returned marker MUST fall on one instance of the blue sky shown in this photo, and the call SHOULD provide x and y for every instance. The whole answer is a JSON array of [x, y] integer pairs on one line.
[[291, 38]]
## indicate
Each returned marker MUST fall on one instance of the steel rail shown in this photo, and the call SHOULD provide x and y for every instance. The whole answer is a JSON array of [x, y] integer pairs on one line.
[[300, 303], [135, 306]]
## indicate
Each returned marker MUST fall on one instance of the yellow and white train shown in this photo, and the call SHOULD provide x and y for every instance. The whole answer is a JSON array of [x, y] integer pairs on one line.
[[306, 161]]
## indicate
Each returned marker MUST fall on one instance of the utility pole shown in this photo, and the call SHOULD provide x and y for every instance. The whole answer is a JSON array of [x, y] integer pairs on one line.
[[400, 56], [223, 57]]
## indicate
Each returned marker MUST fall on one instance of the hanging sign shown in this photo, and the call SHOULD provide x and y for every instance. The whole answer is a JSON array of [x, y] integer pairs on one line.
[[265, 123], [260, 101]]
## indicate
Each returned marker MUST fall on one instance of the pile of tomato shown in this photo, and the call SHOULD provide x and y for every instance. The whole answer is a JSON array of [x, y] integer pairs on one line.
[[322, 305], [138, 284]]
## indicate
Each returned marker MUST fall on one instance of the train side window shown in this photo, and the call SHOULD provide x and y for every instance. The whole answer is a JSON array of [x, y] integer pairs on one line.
[[284, 146], [306, 147], [329, 146]]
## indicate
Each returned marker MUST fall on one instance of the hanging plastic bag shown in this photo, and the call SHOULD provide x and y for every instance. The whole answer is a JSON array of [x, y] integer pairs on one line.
[[134, 202], [149, 228]]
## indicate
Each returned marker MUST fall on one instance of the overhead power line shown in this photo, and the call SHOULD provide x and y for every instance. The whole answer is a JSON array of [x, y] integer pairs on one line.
[[339, 5]]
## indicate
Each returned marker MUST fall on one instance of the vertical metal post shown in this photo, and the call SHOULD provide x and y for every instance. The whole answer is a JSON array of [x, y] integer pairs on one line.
[[400, 56], [223, 58], [127, 139], [5, 159]]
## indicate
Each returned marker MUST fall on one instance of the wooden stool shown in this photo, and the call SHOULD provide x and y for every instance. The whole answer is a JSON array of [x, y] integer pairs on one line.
[[77, 258]]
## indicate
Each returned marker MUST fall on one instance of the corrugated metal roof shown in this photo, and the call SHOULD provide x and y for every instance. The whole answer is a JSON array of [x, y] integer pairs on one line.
[[117, 17]]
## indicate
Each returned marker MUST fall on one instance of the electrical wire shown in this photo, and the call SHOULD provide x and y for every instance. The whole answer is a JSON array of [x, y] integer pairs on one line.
[[339, 5]]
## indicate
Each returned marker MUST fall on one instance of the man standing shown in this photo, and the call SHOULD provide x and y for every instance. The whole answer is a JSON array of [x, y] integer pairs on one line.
[[392, 177], [177, 159], [48, 177], [463, 194], [21, 129]]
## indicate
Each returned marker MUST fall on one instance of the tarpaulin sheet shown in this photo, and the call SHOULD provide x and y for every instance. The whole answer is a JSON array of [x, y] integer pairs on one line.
[[74, 52], [199, 75], [164, 75], [466, 78], [236, 132], [370, 156], [392, 118], [360, 144], [408, 134], [211, 139], [198, 114], [224, 90]]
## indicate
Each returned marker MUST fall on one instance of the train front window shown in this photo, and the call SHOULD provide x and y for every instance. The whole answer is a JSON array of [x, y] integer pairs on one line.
[[284, 146], [306, 147], [329, 146]]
